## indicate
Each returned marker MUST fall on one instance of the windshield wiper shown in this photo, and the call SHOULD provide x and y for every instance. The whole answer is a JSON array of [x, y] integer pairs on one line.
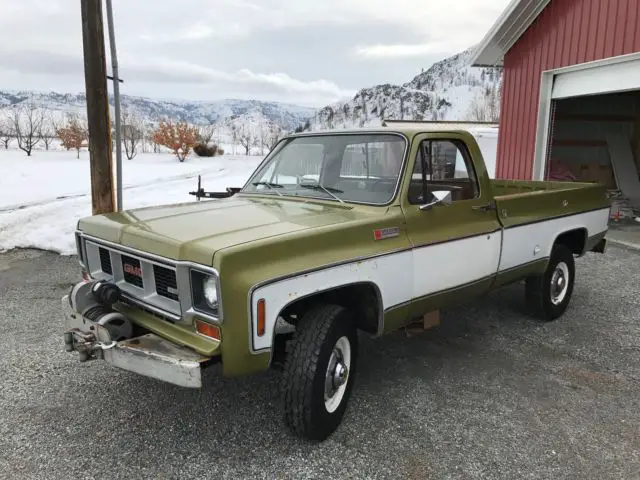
[[272, 186], [329, 190]]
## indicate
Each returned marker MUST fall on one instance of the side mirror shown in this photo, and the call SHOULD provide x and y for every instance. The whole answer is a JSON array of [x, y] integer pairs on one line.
[[442, 197]]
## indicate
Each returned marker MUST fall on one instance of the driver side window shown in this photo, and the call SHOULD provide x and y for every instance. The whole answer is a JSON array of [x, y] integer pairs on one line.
[[447, 166]]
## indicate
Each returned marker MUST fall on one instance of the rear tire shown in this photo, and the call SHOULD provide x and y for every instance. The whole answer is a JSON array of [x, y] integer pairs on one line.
[[549, 294], [319, 372]]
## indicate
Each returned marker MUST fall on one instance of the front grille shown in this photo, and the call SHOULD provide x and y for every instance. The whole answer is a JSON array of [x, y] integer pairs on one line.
[[105, 261], [148, 283], [166, 283], [132, 271]]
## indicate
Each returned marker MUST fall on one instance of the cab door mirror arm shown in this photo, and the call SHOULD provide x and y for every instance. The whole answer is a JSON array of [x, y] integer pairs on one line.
[[442, 197]]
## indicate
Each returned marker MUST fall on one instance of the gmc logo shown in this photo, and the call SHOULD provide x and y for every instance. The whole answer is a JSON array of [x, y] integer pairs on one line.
[[133, 270]]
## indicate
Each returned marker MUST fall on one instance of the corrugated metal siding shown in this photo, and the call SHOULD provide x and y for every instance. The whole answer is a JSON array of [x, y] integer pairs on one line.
[[568, 32]]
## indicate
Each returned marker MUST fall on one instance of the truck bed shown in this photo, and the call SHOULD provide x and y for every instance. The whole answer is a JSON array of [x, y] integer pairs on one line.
[[520, 202]]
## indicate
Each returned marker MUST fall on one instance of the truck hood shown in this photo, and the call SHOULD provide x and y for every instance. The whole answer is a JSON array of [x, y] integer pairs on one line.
[[196, 230]]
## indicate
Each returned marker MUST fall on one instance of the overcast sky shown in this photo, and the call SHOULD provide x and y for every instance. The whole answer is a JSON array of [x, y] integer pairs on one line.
[[308, 52]]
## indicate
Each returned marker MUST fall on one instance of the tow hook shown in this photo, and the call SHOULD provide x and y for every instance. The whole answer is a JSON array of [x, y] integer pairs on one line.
[[86, 344]]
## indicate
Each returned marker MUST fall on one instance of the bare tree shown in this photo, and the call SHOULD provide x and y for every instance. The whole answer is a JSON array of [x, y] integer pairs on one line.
[[27, 122], [330, 116], [148, 134], [262, 139], [235, 136], [345, 112], [132, 133], [205, 133], [485, 107], [7, 132], [365, 112], [48, 128], [246, 139], [274, 135]]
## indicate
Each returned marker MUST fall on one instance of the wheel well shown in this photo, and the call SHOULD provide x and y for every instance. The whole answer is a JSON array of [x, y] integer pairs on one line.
[[576, 240], [363, 300]]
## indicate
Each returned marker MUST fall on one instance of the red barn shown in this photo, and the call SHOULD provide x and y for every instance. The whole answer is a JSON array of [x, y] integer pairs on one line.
[[570, 105]]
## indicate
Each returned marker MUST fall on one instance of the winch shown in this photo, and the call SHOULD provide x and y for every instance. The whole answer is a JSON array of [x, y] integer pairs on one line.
[[105, 326]]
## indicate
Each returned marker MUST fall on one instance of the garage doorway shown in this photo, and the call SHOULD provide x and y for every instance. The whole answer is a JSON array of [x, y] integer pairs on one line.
[[589, 128], [596, 138]]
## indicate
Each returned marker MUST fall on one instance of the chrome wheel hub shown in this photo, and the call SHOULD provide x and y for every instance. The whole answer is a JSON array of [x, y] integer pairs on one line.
[[337, 374], [340, 375], [559, 283]]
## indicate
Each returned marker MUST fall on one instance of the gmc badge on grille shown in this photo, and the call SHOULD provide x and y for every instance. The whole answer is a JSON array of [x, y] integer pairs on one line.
[[133, 270]]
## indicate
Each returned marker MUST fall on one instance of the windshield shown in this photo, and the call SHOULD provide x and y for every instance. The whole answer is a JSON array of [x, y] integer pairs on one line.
[[362, 168]]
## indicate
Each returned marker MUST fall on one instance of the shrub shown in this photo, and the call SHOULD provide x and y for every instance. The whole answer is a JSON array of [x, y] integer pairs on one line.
[[73, 135], [203, 150], [179, 138]]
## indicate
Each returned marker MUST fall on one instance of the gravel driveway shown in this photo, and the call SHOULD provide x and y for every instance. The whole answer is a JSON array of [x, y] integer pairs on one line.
[[490, 394]]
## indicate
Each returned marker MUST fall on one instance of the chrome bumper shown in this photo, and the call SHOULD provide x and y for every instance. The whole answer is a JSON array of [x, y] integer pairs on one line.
[[148, 355]]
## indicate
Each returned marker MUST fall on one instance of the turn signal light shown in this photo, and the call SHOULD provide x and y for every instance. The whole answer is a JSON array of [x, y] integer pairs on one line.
[[208, 330], [261, 317]]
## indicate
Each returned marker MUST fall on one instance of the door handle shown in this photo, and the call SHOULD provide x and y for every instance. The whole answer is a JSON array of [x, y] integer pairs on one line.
[[485, 208]]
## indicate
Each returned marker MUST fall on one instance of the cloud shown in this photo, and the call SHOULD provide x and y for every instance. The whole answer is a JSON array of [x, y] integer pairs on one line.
[[169, 70], [179, 73], [289, 50], [399, 50], [197, 32]]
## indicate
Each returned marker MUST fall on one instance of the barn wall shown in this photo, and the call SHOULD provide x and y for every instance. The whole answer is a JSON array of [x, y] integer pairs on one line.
[[568, 32]]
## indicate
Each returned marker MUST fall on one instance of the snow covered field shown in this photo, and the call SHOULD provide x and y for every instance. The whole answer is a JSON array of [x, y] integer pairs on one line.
[[42, 197]]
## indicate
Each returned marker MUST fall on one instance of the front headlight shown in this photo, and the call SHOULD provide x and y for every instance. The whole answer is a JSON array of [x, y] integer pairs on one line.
[[205, 293], [210, 290]]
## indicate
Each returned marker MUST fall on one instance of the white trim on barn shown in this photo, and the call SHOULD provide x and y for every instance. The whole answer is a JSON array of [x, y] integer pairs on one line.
[[614, 74], [516, 18]]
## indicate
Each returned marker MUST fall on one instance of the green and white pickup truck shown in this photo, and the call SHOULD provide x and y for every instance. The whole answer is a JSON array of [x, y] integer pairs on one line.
[[335, 234]]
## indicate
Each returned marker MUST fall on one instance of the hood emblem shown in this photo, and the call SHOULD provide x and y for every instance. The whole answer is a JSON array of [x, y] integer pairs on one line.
[[382, 233]]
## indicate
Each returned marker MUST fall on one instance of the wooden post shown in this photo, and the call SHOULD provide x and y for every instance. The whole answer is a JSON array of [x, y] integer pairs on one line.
[[95, 75]]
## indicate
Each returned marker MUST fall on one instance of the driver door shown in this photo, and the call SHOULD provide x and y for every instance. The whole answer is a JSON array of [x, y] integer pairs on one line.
[[456, 246]]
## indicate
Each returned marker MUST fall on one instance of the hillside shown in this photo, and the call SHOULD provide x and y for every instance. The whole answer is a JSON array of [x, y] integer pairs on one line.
[[151, 110], [449, 90]]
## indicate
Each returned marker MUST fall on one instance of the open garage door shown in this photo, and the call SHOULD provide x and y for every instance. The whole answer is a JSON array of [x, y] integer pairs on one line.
[[616, 77], [594, 136]]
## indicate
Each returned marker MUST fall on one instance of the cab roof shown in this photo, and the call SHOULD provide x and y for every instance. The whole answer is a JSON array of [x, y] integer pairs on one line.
[[409, 129]]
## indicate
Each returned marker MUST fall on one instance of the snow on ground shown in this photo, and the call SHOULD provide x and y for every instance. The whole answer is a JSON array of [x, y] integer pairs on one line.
[[43, 197]]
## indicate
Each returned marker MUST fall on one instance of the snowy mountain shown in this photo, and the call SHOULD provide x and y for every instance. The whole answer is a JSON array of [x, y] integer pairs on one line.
[[449, 90], [287, 116]]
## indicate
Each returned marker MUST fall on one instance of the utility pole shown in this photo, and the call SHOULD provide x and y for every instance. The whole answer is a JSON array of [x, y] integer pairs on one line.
[[95, 75]]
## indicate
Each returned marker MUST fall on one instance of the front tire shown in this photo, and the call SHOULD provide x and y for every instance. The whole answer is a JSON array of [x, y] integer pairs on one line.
[[319, 372], [548, 295]]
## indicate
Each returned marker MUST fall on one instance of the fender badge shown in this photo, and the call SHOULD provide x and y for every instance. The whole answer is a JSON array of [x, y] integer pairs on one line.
[[382, 233]]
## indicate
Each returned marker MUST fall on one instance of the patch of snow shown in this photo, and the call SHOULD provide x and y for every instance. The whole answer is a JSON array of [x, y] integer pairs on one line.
[[47, 194]]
